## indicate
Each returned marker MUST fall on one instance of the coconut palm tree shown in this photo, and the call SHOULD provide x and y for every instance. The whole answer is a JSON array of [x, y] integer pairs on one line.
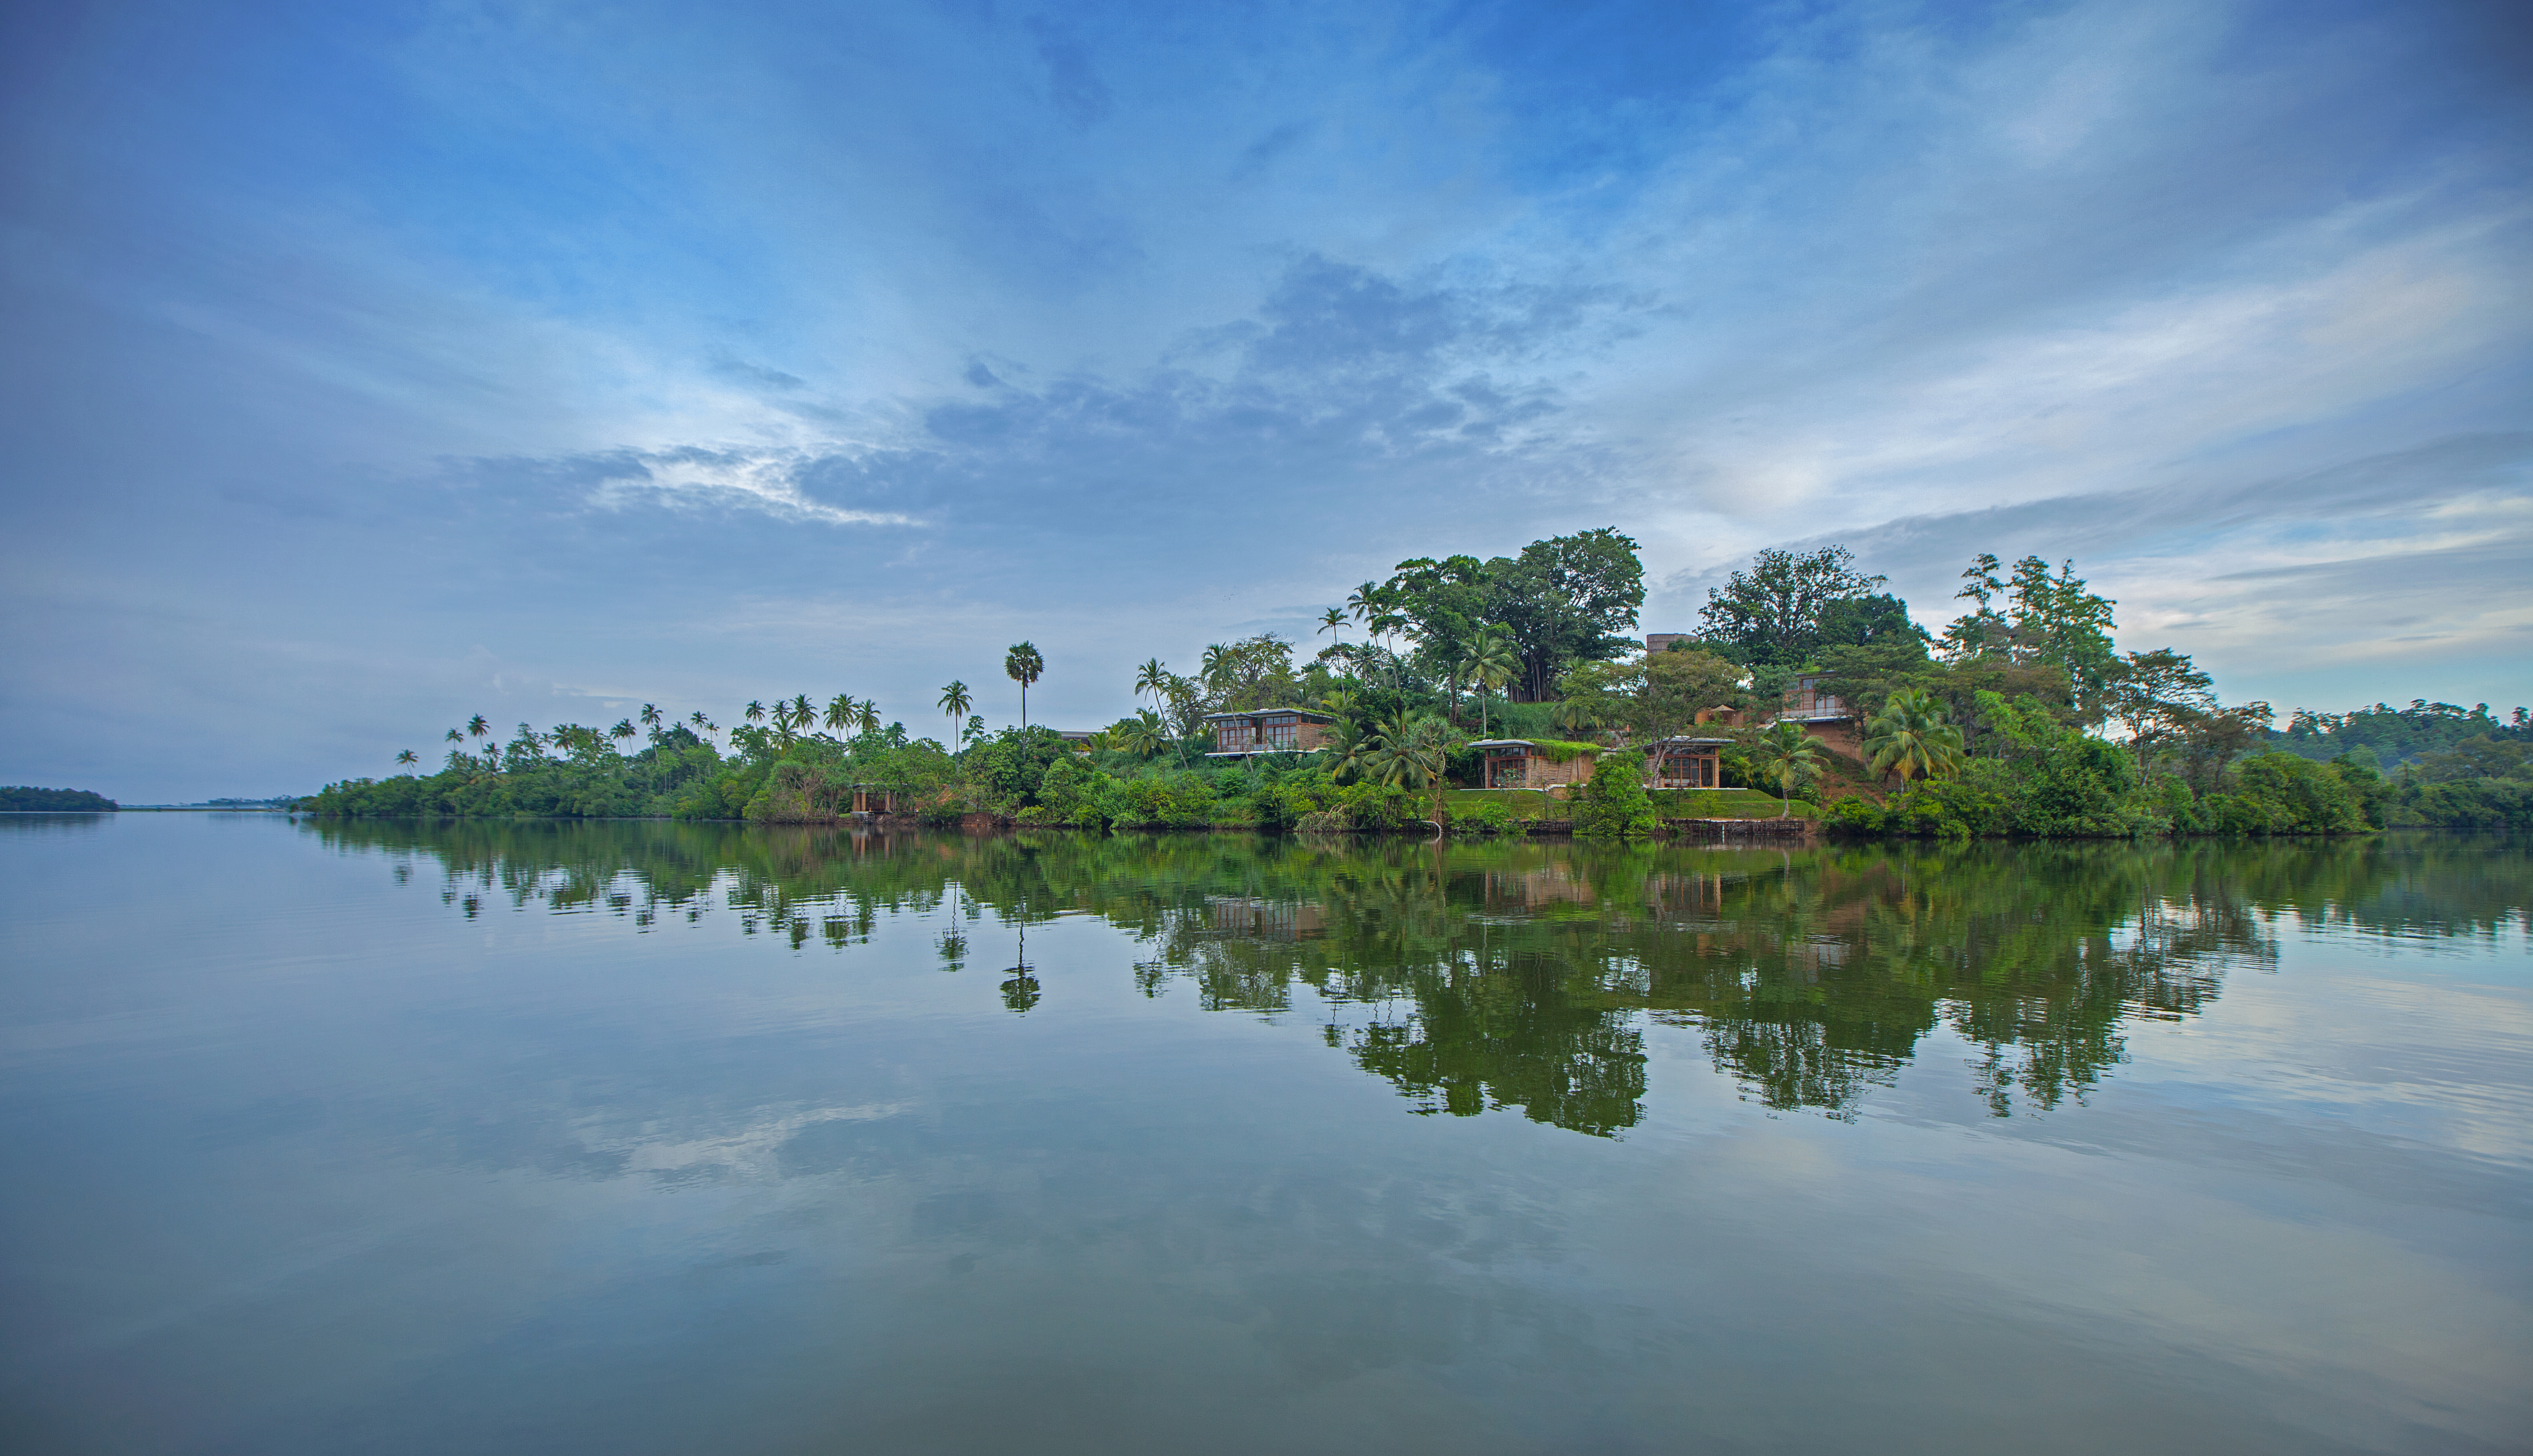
[[408, 756], [1334, 621], [1788, 755], [623, 729], [455, 736], [953, 705], [1024, 666], [840, 714], [1490, 663], [867, 717], [651, 719], [1575, 716], [1144, 734], [1910, 737], [1410, 752], [477, 728]]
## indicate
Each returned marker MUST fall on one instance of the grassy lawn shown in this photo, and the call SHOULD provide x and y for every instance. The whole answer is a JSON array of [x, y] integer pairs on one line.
[[1670, 803]]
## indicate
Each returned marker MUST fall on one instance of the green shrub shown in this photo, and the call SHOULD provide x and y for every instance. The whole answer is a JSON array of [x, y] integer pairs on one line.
[[1612, 803], [1485, 817]]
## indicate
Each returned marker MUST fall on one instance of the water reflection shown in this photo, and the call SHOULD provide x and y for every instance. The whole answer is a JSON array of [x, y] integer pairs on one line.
[[1523, 978]]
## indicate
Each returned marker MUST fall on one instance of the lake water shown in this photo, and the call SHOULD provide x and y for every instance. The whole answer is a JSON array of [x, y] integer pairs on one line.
[[640, 1138]]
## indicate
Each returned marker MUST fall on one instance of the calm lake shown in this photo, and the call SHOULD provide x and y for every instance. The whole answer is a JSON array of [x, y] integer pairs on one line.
[[641, 1138]]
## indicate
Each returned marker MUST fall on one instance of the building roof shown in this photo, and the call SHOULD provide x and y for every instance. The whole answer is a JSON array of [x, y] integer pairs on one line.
[[1686, 743], [1274, 713]]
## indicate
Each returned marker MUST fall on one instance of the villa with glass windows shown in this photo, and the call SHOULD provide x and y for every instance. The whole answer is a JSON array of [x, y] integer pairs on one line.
[[1685, 763], [1267, 730], [1519, 763]]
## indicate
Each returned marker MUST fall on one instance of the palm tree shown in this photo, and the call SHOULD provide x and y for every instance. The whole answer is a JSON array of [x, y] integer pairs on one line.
[[867, 717], [1155, 677], [1333, 620], [477, 728], [840, 713], [1490, 663], [1023, 666], [755, 711], [455, 736], [651, 719], [953, 705], [1788, 755], [1411, 753], [805, 714], [1575, 716], [623, 729], [1910, 737], [408, 756], [1144, 734], [701, 723]]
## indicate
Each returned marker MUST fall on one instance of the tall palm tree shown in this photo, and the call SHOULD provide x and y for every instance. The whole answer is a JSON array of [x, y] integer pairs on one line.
[[651, 719], [408, 756], [455, 736], [1155, 677], [1910, 737], [840, 714], [1489, 664], [805, 714], [701, 723], [477, 728], [1022, 665], [1788, 755], [953, 705], [1333, 620], [623, 729], [867, 716]]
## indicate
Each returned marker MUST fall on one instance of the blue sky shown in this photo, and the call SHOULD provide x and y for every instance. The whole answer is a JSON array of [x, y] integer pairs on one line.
[[373, 365]]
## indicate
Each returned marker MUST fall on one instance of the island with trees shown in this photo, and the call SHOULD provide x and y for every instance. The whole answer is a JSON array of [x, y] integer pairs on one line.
[[1810, 689], [24, 799]]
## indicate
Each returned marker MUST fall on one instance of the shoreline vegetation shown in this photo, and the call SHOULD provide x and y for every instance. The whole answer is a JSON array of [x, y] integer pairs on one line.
[[1817, 698]]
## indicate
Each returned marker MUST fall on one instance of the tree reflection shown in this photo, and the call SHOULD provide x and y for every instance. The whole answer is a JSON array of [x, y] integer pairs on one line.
[[1525, 977]]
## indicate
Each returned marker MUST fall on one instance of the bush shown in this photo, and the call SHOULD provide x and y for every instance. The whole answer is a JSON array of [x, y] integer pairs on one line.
[[2281, 793], [1613, 803], [1485, 817]]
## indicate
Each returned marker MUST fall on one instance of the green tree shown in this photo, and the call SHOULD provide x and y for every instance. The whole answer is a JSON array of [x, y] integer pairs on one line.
[[1408, 751], [1490, 663], [1910, 737], [1613, 804], [1024, 666], [2154, 695], [1143, 735], [408, 756], [840, 716], [1786, 753], [1772, 613], [953, 705]]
